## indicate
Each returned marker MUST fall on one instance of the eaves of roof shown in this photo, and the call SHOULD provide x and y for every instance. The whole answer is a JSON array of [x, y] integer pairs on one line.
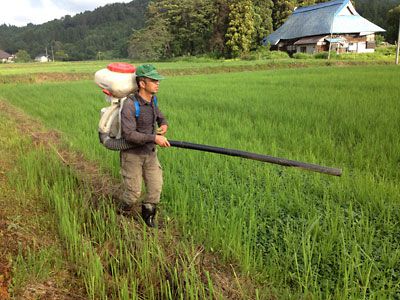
[[321, 19]]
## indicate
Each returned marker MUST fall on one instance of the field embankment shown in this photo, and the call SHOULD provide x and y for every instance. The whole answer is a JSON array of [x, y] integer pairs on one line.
[[33, 262], [58, 72]]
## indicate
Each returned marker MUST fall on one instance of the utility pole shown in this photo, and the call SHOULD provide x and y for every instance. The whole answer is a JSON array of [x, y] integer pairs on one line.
[[330, 42], [398, 45], [52, 51]]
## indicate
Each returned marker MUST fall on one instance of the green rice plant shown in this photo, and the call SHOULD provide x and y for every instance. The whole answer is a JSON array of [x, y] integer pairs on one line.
[[305, 235], [114, 259], [32, 266]]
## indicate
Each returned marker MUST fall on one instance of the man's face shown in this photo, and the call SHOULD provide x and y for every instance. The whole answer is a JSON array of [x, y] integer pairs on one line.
[[150, 85]]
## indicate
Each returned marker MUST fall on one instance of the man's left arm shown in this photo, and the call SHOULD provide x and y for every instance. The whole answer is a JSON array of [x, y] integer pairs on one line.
[[161, 122]]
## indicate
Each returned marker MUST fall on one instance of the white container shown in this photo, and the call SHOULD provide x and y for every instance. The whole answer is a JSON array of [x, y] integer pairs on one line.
[[117, 80]]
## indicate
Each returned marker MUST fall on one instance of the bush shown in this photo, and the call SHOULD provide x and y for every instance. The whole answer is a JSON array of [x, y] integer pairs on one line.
[[300, 55], [324, 55], [263, 52], [249, 56], [386, 50], [22, 56], [204, 58], [379, 39], [277, 55]]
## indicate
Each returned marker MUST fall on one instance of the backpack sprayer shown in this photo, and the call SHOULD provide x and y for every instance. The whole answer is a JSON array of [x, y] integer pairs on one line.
[[118, 81]]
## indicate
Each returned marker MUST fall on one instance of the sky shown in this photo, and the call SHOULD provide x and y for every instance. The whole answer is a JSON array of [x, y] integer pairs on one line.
[[22, 12]]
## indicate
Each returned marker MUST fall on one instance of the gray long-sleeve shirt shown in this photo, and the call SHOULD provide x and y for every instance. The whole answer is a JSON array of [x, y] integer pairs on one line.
[[141, 131]]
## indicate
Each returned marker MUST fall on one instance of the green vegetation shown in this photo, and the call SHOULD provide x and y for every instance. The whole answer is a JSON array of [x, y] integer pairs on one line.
[[260, 59], [303, 234], [160, 29], [32, 259], [115, 257], [99, 34]]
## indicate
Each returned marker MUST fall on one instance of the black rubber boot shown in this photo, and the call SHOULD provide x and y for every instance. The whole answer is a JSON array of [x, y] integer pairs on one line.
[[148, 214]]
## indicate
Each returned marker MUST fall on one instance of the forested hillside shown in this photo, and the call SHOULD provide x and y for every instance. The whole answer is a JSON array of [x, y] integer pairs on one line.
[[385, 13], [103, 32], [155, 29]]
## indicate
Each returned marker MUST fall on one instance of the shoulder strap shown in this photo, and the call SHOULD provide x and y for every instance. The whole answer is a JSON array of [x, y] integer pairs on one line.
[[137, 108], [155, 101]]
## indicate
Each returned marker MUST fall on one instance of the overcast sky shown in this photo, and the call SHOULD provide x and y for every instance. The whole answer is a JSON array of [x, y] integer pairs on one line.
[[22, 12]]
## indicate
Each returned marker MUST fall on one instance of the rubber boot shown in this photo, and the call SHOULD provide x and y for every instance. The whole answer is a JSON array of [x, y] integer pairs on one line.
[[148, 214]]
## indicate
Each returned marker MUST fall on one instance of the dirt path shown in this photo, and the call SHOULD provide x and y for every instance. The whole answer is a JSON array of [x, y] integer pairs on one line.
[[229, 283]]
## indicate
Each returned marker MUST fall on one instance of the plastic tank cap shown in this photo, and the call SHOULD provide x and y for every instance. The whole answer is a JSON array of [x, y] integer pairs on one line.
[[121, 68]]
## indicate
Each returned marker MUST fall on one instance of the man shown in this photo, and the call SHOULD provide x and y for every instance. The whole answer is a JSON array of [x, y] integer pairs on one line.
[[141, 162]]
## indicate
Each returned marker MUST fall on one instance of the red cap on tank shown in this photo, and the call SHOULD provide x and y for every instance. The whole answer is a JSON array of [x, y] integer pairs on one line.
[[120, 67]]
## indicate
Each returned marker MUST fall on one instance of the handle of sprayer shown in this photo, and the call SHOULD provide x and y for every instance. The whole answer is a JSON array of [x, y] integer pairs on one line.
[[259, 157]]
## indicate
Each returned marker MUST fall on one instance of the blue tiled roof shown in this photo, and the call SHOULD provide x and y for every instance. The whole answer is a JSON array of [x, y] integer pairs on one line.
[[321, 19]]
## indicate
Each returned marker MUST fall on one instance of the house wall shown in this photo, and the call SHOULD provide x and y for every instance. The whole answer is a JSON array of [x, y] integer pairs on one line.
[[361, 44], [361, 47], [355, 43], [41, 59], [7, 60], [310, 49]]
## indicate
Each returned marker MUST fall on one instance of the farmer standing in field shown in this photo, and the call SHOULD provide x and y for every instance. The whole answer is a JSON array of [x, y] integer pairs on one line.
[[141, 162]]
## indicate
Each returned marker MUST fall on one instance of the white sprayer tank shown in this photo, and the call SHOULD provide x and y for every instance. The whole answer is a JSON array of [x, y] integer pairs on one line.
[[117, 80]]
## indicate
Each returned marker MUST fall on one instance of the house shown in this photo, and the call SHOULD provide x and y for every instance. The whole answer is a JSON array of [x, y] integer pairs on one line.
[[42, 58], [333, 25], [6, 57]]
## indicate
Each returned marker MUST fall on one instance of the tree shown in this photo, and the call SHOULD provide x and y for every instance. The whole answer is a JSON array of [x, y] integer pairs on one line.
[[262, 20], [281, 11], [150, 43], [393, 18], [22, 56], [190, 23], [241, 27], [60, 55], [217, 41]]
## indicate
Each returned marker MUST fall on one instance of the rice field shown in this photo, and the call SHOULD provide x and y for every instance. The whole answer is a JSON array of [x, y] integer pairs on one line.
[[300, 234]]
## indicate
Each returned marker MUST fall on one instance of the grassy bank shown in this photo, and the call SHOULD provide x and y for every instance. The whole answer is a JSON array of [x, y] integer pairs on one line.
[[33, 261]]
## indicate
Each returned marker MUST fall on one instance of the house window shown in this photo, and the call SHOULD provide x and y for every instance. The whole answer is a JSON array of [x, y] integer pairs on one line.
[[371, 45], [303, 49]]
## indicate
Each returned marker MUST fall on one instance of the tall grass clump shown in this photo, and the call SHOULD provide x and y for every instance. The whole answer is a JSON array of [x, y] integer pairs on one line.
[[308, 235]]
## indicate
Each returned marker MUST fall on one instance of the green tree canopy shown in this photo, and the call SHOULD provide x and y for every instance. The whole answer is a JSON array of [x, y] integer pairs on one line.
[[241, 27], [393, 18], [22, 56]]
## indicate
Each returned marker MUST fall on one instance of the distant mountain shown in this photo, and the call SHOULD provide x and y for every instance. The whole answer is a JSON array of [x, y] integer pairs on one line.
[[103, 33]]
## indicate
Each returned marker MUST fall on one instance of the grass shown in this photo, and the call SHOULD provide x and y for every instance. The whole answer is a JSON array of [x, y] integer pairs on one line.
[[93, 66], [32, 257], [306, 235], [203, 65], [115, 259]]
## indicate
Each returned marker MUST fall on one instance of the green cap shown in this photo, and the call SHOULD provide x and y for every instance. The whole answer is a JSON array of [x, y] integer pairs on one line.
[[148, 71]]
